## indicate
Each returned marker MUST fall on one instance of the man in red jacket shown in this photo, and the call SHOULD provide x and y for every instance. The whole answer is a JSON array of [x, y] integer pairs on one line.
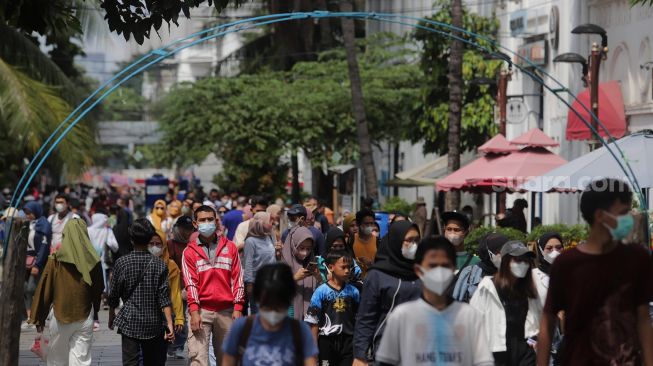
[[214, 286]]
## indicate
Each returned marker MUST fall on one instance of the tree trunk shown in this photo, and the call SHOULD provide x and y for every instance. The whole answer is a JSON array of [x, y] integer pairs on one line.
[[455, 100], [358, 104], [295, 178], [11, 292]]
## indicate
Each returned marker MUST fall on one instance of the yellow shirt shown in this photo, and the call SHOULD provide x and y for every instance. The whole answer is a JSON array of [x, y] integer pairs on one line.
[[365, 252], [174, 281]]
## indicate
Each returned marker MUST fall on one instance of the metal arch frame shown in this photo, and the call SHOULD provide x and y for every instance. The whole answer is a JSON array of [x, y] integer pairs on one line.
[[163, 52]]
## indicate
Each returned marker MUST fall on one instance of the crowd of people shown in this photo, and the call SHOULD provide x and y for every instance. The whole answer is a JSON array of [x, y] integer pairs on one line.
[[234, 281]]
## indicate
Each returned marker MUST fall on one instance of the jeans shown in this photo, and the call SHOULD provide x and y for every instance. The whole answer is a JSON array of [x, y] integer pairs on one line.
[[153, 351], [181, 337]]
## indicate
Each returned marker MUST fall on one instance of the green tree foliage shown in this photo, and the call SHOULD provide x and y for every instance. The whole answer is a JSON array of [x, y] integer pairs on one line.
[[641, 2], [431, 114], [36, 89], [124, 104], [251, 121]]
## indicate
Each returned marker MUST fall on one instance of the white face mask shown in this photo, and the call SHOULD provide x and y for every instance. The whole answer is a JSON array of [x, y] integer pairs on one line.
[[550, 257], [496, 259], [437, 279], [156, 251], [302, 254], [409, 252], [454, 239], [60, 207], [273, 317], [519, 269]]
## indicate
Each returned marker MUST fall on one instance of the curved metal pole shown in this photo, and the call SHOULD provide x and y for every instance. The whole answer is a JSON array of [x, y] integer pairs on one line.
[[162, 53]]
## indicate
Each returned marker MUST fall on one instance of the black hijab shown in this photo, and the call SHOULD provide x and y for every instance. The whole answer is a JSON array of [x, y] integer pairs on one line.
[[491, 242], [332, 235], [389, 258], [545, 266], [121, 232]]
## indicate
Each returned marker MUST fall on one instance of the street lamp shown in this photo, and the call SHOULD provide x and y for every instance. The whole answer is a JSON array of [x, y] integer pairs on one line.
[[591, 71]]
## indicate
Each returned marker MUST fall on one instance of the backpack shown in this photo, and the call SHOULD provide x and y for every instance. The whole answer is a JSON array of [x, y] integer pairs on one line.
[[247, 330]]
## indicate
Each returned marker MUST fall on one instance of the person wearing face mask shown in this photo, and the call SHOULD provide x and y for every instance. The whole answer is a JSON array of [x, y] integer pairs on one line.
[[549, 247], [59, 220], [490, 260], [510, 307], [297, 252], [214, 286], [365, 243], [173, 213], [158, 216], [259, 250], [102, 238], [299, 216], [435, 329], [158, 248], [603, 287], [390, 282], [271, 336], [456, 228]]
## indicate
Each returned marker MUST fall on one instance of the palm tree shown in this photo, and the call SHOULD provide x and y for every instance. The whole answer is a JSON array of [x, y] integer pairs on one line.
[[455, 100], [358, 104], [35, 96]]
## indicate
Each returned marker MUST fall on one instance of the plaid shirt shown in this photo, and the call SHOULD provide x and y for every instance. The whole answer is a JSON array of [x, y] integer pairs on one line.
[[141, 316]]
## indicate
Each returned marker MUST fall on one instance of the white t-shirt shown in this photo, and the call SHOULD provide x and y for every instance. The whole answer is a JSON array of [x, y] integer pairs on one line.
[[57, 228], [416, 333]]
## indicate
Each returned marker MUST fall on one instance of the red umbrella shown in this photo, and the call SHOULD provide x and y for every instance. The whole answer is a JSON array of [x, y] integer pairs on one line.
[[498, 145], [534, 137], [611, 113], [512, 170]]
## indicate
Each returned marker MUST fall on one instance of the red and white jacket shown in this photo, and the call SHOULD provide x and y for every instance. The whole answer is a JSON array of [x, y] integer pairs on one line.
[[215, 284]]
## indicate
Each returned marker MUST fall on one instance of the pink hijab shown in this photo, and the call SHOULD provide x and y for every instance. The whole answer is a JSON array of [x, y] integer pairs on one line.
[[307, 286]]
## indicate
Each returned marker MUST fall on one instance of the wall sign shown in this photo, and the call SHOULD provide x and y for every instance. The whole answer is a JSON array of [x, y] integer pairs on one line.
[[535, 52], [516, 111], [518, 20]]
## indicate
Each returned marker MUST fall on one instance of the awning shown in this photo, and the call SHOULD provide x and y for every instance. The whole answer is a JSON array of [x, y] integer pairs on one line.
[[497, 145], [512, 170], [577, 174], [611, 113], [458, 179], [534, 138], [427, 173]]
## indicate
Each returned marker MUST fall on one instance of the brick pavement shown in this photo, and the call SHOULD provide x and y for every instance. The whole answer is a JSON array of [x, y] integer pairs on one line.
[[106, 347]]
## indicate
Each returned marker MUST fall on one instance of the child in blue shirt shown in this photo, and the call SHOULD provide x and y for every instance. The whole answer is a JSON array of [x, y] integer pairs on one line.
[[332, 312]]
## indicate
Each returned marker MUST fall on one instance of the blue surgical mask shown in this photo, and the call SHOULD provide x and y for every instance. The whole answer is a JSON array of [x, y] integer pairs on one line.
[[206, 229], [625, 224]]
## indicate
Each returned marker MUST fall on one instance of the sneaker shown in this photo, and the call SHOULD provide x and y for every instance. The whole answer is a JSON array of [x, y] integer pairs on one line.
[[180, 354], [26, 325], [96, 326]]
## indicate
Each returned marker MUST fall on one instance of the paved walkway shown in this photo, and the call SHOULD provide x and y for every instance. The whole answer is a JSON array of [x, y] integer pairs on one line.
[[106, 347]]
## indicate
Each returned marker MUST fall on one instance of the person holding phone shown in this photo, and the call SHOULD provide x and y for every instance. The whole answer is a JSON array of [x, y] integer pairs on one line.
[[297, 252]]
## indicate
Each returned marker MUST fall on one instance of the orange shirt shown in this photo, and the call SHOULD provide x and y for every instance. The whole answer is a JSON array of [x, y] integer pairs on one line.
[[365, 252]]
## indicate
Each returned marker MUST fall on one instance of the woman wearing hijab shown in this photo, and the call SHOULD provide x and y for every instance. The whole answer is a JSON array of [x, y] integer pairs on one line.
[[159, 248], [335, 240], [71, 284], [158, 216], [297, 252], [389, 282], [275, 218], [510, 307], [549, 248], [173, 213], [259, 251], [469, 277], [349, 227]]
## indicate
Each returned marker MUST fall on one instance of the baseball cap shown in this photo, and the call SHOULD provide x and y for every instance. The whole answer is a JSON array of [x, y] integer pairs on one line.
[[297, 210], [184, 222], [515, 248]]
